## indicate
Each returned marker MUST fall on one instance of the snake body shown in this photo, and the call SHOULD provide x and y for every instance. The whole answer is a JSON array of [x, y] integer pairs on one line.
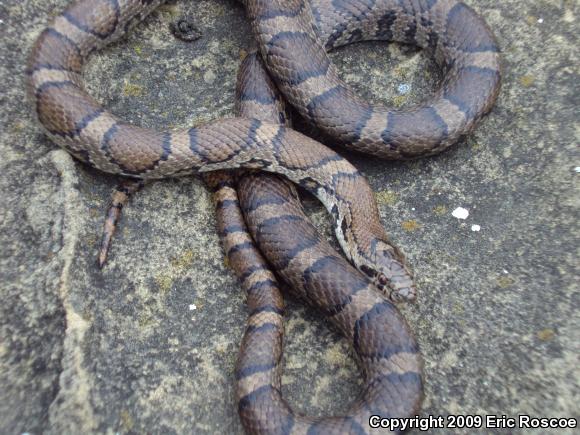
[[272, 213], [293, 40], [386, 350], [293, 37]]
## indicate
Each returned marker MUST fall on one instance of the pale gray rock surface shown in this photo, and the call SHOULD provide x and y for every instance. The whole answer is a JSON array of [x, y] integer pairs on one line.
[[149, 343]]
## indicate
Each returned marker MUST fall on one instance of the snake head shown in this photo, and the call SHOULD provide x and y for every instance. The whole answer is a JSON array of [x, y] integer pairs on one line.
[[393, 277]]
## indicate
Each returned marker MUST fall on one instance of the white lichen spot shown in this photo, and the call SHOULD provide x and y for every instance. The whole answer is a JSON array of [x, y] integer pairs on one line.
[[192, 307], [540, 20], [475, 228], [209, 77], [404, 88], [460, 213], [505, 271], [577, 169]]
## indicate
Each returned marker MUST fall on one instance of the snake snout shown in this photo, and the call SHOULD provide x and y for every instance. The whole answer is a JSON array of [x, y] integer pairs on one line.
[[402, 284], [394, 278], [404, 294]]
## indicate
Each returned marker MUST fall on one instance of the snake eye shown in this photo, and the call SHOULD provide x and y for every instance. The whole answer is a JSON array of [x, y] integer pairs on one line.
[[382, 279]]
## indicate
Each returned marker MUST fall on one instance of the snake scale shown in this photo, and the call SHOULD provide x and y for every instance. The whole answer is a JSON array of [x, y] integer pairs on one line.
[[293, 37]]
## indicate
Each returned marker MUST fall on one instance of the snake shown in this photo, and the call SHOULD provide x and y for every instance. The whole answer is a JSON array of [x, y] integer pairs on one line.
[[293, 39]]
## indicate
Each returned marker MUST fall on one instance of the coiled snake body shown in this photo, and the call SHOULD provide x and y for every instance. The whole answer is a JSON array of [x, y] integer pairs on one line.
[[386, 349], [289, 35]]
